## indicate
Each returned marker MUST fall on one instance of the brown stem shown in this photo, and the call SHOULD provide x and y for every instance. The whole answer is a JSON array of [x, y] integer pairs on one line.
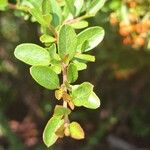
[[64, 72]]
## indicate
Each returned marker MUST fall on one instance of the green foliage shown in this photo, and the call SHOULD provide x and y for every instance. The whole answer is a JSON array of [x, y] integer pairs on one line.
[[32, 54], [72, 73], [61, 111], [89, 38], [3, 4], [45, 76], [62, 54], [81, 93], [67, 42], [76, 131], [49, 136]]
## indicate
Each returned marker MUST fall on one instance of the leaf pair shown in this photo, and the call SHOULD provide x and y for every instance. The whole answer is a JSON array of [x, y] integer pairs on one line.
[[39, 58], [69, 43]]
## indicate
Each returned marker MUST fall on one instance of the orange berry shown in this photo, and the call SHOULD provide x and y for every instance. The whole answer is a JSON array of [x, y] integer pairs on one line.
[[140, 28], [126, 30], [139, 41], [127, 41]]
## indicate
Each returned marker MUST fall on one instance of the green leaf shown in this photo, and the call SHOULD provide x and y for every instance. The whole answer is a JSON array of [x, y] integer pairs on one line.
[[86, 57], [55, 59], [89, 38], [79, 25], [56, 13], [46, 6], [95, 6], [72, 73], [32, 54], [82, 93], [37, 14], [47, 39], [3, 4], [45, 76], [93, 101], [79, 64], [67, 42], [47, 18], [61, 111], [49, 136], [70, 5], [76, 131]]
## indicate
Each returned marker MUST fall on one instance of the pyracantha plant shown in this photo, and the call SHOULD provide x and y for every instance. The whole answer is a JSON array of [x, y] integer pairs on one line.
[[63, 52]]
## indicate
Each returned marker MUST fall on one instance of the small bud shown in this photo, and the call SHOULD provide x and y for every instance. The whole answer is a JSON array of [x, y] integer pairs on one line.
[[59, 94]]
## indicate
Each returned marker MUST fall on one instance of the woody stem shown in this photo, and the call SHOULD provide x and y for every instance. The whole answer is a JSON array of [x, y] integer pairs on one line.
[[64, 73]]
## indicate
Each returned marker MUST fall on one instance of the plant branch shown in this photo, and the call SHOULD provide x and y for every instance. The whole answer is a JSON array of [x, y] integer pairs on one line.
[[64, 73]]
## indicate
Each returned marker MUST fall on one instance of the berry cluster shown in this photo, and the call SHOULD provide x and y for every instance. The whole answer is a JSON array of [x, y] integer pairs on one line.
[[134, 27]]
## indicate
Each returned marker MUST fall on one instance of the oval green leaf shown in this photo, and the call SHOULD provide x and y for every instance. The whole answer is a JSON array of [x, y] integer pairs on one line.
[[49, 136], [76, 131], [45, 76], [72, 73], [89, 38], [67, 42], [32, 54]]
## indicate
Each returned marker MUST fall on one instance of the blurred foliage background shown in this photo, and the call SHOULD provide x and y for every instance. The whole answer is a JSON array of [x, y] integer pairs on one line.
[[121, 76]]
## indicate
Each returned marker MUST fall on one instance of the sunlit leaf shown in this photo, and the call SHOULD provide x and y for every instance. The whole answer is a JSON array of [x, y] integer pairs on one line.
[[76, 131], [89, 38], [32, 54], [92, 102]]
